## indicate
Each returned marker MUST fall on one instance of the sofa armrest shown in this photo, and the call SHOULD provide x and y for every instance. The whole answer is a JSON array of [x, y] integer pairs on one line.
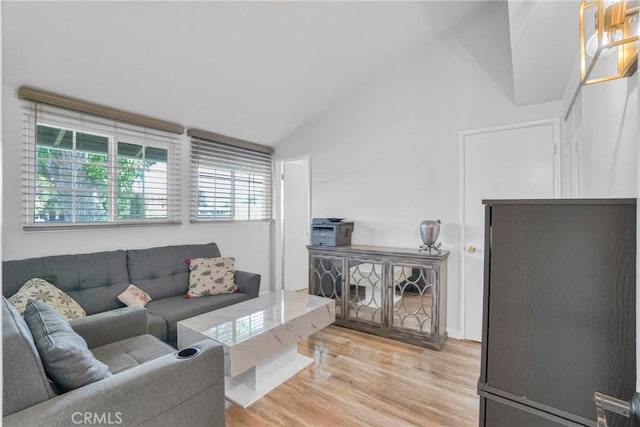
[[166, 391], [111, 326], [248, 283]]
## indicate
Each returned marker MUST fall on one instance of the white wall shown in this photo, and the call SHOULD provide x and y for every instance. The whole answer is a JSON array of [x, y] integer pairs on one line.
[[602, 137], [387, 157], [79, 50], [130, 56], [249, 243], [604, 127]]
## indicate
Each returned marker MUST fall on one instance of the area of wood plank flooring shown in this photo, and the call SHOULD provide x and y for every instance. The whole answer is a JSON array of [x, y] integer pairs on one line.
[[359, 379]]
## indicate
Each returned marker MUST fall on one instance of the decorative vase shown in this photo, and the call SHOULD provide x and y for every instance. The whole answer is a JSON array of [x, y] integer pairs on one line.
[[429, 231]]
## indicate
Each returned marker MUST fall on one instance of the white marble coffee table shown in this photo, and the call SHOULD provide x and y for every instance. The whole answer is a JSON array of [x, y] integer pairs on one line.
[[260, 338]]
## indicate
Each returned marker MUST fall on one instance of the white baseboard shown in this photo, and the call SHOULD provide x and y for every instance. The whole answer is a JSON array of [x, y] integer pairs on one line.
[[454, 333], [265, 291]]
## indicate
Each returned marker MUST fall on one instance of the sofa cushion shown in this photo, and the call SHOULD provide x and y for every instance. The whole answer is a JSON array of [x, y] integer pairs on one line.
[[126, 354], [133, 295], [24, 380], [93, 280], [65, 355], [211, 276], [157, 326], [178, 308], [163, 272], [41, 290], [111, 326]]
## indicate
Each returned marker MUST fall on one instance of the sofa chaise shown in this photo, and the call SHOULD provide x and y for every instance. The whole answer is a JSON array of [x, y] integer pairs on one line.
[[150, 384]]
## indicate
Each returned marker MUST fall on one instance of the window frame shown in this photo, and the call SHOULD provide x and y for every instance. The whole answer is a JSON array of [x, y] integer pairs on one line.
[[116, 132], [74, 184], [237, 159], [145, 195]]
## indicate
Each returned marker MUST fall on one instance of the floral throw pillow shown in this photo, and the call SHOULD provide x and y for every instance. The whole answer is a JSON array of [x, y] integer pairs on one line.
[[211, 276], [41, 290], [133, 295]]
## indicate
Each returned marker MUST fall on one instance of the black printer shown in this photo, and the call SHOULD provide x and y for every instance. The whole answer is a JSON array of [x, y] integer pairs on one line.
[[331, 232]]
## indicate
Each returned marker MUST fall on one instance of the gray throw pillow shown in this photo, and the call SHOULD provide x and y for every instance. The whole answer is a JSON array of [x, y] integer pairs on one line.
[[65, 355]]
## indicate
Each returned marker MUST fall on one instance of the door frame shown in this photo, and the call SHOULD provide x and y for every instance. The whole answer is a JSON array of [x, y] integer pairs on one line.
[[557, 189], [279, 214]]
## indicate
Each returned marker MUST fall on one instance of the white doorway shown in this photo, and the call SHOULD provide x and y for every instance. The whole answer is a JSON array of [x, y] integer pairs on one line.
[[510, 162], [295, 223]]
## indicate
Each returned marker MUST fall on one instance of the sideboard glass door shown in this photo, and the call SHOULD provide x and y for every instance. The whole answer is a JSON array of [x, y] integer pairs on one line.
[[367, 290], [327, 278], [414, 309]]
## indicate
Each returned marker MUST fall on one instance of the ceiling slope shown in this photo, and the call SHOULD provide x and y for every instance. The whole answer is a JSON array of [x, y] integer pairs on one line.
[[252, 70], [260, 70], [544, 44]]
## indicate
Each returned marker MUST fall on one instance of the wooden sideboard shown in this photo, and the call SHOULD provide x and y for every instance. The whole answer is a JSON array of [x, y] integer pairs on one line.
[[392, 292]]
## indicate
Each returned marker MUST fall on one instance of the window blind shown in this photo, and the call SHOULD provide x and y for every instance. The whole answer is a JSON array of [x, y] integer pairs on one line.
[[84, 170], [98, 110], [229, 182]]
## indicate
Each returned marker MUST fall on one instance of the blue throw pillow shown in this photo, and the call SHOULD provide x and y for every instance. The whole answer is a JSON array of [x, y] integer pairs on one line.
[[66, 358]]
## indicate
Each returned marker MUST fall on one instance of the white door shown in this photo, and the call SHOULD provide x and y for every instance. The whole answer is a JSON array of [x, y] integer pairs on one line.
[[515, 162], [295, 223]]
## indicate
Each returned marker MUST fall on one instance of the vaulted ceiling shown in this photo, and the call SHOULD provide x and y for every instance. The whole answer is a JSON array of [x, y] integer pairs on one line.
[[544, 44], [260, 70]]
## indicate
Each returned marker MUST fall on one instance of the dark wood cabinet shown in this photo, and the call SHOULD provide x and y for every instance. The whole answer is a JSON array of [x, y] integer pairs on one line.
[[559, 310]]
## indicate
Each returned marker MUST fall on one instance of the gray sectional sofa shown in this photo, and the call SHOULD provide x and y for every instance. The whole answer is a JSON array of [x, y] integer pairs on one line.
[[150, 385], [95, 280]]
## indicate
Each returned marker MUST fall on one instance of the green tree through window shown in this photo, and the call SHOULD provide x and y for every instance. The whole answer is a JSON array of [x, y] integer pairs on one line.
[[73, 182]]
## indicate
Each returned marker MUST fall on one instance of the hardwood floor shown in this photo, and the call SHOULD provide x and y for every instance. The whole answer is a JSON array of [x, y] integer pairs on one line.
[[360, 379]]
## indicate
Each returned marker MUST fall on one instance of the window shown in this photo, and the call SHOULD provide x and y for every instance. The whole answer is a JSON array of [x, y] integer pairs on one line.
[[230, 182], [86, 170], [142, 181]]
